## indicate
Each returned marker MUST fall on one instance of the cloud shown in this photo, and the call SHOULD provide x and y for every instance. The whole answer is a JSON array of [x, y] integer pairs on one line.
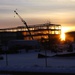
[[58, 11], [39, 5]]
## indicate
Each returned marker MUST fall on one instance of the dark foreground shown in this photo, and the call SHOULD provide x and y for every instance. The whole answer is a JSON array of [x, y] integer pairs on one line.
[[32, 73]]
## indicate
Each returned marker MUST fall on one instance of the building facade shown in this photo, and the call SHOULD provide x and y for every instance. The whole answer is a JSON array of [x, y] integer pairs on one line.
[[70, 36], [41, 32]]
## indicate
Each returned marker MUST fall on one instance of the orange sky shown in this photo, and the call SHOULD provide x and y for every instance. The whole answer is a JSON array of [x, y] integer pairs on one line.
[[38, 12]]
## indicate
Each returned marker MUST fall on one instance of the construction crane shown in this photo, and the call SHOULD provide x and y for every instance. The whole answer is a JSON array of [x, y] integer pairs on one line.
[[24, 23]]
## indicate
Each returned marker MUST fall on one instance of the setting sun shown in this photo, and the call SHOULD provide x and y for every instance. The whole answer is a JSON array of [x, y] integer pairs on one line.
[[62, 36]]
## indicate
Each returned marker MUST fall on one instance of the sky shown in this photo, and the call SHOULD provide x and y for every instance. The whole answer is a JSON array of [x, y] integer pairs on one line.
[[38, 12]]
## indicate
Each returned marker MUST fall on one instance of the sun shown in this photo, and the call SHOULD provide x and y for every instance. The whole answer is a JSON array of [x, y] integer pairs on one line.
[[62, 36]]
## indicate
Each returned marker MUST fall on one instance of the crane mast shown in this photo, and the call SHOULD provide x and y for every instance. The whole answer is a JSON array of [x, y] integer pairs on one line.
[[24, 24]]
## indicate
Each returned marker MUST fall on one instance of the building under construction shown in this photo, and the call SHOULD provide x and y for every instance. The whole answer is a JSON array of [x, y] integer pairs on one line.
[[45, 33], [42, 32]]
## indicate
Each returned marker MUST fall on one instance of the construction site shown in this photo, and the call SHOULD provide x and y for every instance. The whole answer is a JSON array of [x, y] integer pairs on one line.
[[47, 34]]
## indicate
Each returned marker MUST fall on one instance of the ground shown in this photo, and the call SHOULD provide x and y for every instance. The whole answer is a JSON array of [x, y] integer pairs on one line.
[[29, 62]]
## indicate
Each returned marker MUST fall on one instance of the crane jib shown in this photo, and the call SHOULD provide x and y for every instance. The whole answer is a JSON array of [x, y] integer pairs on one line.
[[24, 24]]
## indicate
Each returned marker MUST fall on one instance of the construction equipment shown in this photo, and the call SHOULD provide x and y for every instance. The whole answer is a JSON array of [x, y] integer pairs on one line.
[[24, 23]]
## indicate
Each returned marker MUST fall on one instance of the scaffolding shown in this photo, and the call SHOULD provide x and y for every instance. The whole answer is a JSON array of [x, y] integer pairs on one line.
[[39, 32]]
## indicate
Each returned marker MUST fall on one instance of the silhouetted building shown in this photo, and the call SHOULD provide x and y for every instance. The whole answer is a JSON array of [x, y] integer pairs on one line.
[[7, 36], [42, 32], [70, 36]]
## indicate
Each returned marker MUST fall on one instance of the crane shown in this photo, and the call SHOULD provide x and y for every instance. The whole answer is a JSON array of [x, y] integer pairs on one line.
[[24, 23]]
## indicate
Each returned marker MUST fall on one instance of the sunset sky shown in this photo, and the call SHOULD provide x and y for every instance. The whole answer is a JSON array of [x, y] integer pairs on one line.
[[38, 12]]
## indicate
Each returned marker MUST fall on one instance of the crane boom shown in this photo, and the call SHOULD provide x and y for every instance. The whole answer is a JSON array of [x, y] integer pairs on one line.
[[24, 23]]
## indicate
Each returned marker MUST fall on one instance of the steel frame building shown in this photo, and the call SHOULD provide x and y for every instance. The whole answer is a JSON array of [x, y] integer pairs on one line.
[[40, 32]]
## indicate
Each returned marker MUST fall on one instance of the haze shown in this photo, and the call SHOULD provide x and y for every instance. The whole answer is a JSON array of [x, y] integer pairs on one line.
[[38, 12]]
